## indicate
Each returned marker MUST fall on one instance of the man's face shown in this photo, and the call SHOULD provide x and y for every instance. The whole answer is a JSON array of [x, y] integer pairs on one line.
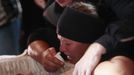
[[73, 49], [63, 2]]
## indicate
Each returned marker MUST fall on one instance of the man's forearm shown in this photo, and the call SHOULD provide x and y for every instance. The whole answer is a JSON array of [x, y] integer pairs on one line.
[[36, 48]]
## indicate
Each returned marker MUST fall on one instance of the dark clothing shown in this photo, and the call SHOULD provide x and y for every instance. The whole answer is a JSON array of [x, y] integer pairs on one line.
[[32, 19], [48, 34], [50, 29], [53, 12], [49, 2], [119, 18], [9, 10]]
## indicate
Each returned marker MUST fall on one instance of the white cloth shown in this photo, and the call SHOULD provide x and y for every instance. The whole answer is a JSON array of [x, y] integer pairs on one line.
[[24, 64]]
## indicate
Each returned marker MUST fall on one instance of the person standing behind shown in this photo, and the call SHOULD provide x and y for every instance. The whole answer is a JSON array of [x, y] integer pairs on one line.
[[76, 31], [118, 38], [10, 22]]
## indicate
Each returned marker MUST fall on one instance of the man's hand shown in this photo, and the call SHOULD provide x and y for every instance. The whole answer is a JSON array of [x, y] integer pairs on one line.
[[50, 62], [36, 48], [90, 59], [41, 52]]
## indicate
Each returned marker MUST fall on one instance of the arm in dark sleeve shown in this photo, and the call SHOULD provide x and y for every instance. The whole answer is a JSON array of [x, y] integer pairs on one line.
[[122, 29], [47, 34]]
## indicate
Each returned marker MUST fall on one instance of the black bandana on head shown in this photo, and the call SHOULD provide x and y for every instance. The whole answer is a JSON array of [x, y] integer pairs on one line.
[[79, 26]]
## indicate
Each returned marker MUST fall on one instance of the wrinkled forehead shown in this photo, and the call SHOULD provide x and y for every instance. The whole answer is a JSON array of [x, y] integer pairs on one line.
[[62, 38]]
